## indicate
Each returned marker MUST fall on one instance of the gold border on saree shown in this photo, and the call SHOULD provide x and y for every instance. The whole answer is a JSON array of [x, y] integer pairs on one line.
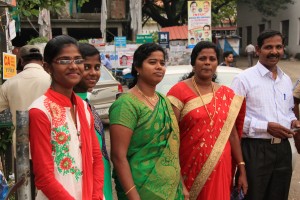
[[219, 146]]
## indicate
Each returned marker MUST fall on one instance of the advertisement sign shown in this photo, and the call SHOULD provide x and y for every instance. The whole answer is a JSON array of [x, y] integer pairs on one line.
[[116, 54], [9, 65], [120, 41], [141, 39], [97, 42], [125, 59], [163, 39], [199, 22]]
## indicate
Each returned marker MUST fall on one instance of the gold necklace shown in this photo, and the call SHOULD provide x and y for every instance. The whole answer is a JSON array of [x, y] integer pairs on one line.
[[148, 99], [213, 89]]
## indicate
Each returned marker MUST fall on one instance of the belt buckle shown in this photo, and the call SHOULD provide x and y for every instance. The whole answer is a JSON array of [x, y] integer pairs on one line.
[[275, 140]]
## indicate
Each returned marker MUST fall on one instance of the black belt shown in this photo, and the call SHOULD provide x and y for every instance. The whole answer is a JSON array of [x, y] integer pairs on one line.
[[271, 140]]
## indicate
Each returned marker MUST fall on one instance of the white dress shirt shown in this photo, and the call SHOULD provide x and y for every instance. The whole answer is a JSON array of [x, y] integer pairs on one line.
[[267, 100]]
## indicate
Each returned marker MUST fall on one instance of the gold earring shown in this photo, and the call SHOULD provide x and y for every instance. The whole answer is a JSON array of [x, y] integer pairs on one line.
[[137, 73]]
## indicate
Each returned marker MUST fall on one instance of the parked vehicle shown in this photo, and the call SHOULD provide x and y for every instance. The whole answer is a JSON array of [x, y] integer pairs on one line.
[[104, 93], [174, 74]]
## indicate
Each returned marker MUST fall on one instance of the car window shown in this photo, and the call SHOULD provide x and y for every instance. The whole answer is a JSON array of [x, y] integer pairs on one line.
[[105, 74]]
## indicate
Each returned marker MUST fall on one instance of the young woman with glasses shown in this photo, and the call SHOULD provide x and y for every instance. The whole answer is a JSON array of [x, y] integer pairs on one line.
[[67, 160]]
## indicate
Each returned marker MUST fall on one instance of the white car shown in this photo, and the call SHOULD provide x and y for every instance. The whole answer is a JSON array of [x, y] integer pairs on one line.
[[174, 74], [104, 93]]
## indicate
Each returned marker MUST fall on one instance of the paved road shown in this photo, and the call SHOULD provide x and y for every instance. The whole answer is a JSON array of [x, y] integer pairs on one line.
[[292, 68]]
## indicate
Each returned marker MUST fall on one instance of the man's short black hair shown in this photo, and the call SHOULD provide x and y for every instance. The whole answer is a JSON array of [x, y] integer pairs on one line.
[[227, 53]]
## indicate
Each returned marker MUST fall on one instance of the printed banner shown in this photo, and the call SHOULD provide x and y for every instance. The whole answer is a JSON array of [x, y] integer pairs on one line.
[[9, 65], [120, 41], [163, 39], [199, 22]]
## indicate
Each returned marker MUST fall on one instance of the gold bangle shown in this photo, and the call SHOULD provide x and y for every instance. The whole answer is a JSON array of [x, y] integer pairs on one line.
[[130, 190], [241, 163]]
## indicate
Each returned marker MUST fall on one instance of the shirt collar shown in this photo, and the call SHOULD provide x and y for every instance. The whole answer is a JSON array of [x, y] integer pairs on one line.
[[33, 65], [264, 71]]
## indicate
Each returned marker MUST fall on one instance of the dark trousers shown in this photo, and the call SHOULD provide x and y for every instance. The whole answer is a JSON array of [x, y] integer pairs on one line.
[[268, 167], [250, 58]]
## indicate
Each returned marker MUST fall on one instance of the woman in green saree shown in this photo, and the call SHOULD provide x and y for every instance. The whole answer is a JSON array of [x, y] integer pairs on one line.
[[144, 134]]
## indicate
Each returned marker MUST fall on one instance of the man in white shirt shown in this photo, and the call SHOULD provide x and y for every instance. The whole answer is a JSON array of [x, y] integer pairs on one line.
[[106, 62], [250, 50], [18, 92], [269, 119]]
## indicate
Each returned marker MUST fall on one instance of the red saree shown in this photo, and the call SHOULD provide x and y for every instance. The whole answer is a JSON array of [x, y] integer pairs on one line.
[[205, 151]]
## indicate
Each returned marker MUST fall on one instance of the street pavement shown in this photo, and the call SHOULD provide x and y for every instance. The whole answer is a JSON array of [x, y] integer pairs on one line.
[[291, 68]]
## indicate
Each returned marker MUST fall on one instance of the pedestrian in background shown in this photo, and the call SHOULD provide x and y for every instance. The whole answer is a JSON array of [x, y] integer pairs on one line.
[[210, 119], [144, 134], [268, 123], [228, 59], [67, 161], [106, 62], [250, 50], [18, 92], [91, 75]]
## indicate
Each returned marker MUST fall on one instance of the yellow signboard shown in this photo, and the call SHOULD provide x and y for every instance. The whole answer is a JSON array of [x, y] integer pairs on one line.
[[9, 65]]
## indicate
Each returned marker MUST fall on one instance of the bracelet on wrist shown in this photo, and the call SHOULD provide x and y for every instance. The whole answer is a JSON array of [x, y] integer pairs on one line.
[[241, 163], [129, 190]]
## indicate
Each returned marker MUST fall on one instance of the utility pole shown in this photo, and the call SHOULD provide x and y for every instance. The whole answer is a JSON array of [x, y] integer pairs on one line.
[[22, 160]]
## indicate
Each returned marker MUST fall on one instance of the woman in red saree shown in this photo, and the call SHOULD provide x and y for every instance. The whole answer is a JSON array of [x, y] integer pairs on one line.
[[210, 119]]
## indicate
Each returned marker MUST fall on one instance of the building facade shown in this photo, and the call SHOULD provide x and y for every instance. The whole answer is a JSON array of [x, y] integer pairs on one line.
[[251, 23], [81, 22]]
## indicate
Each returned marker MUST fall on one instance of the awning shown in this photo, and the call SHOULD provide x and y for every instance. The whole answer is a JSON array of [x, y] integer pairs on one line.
[[176, 32]]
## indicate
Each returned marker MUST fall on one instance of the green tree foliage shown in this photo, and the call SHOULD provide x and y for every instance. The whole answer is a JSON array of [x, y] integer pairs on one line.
[[268, 7], [174, 12], [28, 8]]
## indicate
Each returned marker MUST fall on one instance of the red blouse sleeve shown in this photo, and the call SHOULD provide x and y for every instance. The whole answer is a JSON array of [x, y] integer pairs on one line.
[[41, 153], [98, 166], [240, 119]]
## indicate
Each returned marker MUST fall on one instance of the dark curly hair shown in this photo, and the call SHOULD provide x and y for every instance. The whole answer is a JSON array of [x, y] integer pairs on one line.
[[197, 49], [141, 54]]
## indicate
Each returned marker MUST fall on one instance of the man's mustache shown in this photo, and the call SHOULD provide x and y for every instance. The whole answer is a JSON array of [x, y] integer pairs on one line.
[[273, 55]]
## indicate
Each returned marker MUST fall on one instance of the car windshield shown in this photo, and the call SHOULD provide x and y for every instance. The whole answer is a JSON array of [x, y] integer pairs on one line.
[[168, 81], [105, 74], [225, 78]]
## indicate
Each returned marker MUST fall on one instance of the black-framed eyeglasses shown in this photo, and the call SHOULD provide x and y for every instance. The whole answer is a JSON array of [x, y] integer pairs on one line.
[[68, 62]]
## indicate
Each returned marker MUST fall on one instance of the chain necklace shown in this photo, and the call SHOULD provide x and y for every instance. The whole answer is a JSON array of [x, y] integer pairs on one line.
[[77, 126], [150, 100], [213, 90]]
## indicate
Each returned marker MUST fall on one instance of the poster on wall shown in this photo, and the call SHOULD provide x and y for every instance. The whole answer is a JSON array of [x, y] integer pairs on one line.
[[125, 59], [199, 22], [164, 39], [9, 65]]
